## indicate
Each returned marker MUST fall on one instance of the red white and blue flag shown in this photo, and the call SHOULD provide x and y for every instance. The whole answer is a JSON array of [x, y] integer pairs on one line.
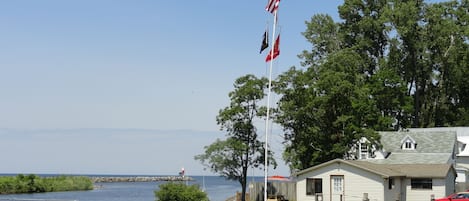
[[272, 6]]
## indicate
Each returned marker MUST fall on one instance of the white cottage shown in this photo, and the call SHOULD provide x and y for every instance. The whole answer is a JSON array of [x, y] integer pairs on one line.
[[408, 166], [351, 180], [462, 156]]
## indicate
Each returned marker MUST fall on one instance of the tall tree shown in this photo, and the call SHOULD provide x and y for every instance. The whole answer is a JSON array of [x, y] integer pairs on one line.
[[364, 30], [447, 47], [232, 157], [324, 110], [387, 65]]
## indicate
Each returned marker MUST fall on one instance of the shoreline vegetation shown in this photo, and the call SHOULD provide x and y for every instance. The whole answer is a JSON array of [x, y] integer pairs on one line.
[[34, 184]]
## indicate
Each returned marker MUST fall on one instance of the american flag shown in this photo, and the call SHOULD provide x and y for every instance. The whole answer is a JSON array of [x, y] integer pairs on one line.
[[272, 6]]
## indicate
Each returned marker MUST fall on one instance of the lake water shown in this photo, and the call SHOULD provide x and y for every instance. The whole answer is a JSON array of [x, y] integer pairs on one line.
[[217, 188]]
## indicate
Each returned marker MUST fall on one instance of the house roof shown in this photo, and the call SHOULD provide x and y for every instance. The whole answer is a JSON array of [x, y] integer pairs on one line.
[[432, 147], [391, 170], [427, 141], [412, 170], [414, 158], [460, 131]]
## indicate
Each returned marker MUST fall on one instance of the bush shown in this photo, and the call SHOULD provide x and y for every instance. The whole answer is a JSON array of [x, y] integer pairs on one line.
[[34, 184], [180, 192]]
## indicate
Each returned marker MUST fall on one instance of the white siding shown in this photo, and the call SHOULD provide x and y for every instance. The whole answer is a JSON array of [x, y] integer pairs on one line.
[[462, 176], [356, 183], [463, 161], [394, 193], [438, 190]]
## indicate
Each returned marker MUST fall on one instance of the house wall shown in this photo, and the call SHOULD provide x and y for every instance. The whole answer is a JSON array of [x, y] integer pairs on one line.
[[462, 180], [394, 193], [461, 175], [463, 161], [450, 183], [438, 190], [356, 183], [462, 165]]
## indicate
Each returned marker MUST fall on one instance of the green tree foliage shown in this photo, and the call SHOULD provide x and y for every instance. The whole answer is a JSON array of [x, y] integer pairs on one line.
[[232, 157], [35, 184], [387, 65], [180, 192]]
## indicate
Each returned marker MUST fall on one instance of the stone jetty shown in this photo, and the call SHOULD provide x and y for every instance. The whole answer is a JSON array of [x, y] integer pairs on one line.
[[139, 179]]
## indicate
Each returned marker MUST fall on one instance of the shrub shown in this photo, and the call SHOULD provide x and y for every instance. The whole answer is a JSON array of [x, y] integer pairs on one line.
[[180, 192], [34, 184]]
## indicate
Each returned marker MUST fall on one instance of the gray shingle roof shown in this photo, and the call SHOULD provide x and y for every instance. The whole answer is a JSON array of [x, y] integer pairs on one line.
[[392, 170], [408, 170], [415, 158], [427, 142], [433, 147]]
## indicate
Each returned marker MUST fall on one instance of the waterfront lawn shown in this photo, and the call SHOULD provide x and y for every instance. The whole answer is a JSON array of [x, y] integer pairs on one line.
[[35, 184]]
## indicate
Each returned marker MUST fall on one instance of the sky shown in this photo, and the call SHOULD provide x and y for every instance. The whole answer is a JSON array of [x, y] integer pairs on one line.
[[131, 87]]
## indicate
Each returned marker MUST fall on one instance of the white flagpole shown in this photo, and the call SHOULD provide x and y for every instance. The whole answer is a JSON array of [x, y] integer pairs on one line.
[[266, 163]]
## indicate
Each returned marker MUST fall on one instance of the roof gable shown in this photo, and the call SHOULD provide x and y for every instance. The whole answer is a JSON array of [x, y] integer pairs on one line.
[[408, 143]]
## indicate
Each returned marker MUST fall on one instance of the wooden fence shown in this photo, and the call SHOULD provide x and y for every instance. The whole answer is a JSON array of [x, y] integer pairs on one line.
[[287, 190]]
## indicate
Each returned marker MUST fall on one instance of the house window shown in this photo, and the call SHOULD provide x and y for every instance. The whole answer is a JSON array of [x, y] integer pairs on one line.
[[313, 186], [363, 151], [421, 183], [408, 145], [390, 183], [338, 184]]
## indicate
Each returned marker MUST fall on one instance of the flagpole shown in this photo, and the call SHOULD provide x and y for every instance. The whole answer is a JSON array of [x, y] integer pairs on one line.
[[266, 163]]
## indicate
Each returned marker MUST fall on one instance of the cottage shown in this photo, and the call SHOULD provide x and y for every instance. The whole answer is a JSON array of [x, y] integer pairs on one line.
[[413, 166], [462, 156], [342, 180]]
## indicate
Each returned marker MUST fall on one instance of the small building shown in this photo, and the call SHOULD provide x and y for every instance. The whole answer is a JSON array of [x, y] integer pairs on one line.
[[406, 166], [342, 180], [462, 154]]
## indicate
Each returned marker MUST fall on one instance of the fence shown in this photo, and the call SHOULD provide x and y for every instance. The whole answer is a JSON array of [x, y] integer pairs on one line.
[[281, 190]]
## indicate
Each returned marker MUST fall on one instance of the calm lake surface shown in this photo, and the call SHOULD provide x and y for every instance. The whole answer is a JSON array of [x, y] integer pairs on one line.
[[217, 188]]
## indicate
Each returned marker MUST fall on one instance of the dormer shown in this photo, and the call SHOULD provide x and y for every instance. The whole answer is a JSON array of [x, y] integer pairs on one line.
[[408, 143], [365, 149]]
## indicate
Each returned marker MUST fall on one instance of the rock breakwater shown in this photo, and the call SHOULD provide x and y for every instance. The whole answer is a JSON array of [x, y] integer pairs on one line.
[[139, 179]]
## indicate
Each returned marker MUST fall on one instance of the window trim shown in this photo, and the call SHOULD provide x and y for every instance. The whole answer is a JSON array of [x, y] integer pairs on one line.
[[421, 183], [407, 143], [364, 152], [312, 183]]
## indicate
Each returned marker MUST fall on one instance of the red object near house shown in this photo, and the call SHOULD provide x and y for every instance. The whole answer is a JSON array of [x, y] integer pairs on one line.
[[462, 196], [278, 178]]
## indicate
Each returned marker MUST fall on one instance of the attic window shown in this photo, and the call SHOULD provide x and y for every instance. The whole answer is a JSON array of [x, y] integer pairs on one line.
[[408, 143], [364, 151]]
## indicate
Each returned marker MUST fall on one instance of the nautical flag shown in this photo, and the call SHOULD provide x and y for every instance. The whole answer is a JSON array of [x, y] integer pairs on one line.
[[265, 42], [272, 6], [275, 51]]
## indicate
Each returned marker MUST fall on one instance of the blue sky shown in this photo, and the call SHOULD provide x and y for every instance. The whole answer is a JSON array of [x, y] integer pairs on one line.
[[130, 87], [78, 77]]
